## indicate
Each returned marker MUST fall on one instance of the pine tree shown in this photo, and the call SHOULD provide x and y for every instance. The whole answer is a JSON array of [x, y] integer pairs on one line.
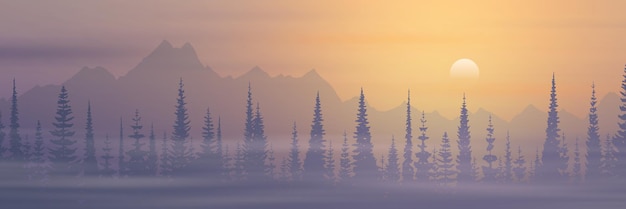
[[393, 167], [314, 161], [364, 161], [63, 152], [445, 171], [107, 169], [537, 166], [329, 164], [239, 169], [520, 166], [609, 160], [165, 165], [407, 165], [382, 170], [122, 168], [500, 178], [248, 131], [222, 155], [137, 164], [619, 140], [345, 162], [90, 163], [564, 157], [285, 175], [209, 157], [489, 171], [508, 161], [577, 175], [475, 170], [270, 167], [422, 165], [152, 158], [26, 148], [549, 171], [39, 165], [464, 164], [17, 154], [2, 136], [180, 156], [256, 155], [293, 160], [433, 175], [594, 147]]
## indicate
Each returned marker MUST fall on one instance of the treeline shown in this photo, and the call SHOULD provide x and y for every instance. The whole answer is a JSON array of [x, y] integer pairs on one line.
[[252, 159]]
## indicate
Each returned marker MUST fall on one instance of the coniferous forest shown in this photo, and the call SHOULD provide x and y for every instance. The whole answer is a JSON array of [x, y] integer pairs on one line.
[[58, 168]]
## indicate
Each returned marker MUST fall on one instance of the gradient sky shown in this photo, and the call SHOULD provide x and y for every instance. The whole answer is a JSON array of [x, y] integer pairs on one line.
[[386, 47]]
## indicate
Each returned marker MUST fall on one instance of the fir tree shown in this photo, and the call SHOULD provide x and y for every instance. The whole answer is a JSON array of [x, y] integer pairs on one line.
[[364, 161], [293, 160], [490, 171], [209, 145], [507, 174], [577, 175], [222, 155], [270, 168], [256, 155], [407, 165], [475, 170], [152, 158], [239, 169], [165, 165], [137, 164], [422, 165], [180, 155], [445, 170], [122, 168], [382, 170], [433, 175], [609, 160], [549, 171], [564, 157], [537, 165], [90, 164], [15, 140], [345, 162], [285, 175], [107, 169], [500, 178], [314, 161], [520, 166], [619, 140], [2, 136], [393, 167], [464, 164], [329, 164], [39, 164], [63, 152], [248, 130], [594, 147]]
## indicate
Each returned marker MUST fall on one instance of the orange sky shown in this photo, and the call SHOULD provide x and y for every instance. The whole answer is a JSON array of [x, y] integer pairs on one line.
[[386, 47]]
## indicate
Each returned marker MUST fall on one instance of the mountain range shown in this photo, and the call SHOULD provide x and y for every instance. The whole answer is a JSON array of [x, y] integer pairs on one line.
[[151, 87]]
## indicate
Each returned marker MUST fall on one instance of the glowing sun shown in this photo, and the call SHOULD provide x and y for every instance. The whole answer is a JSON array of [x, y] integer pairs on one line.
[[464, 68]]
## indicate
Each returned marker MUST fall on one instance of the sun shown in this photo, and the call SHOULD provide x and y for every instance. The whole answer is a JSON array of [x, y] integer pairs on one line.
[[464, 68]]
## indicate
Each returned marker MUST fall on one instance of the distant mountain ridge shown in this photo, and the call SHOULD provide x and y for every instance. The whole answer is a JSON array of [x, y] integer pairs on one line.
[[151, 87]]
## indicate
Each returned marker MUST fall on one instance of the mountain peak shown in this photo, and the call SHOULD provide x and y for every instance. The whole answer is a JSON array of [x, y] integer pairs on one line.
[[165, 45], [167, 58], [255, 72], [312, 73]]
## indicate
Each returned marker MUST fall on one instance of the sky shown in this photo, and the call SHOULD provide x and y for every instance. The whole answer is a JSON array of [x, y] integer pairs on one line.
[[386, 47]]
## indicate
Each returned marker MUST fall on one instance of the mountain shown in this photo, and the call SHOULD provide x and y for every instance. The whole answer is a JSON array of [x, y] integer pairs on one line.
[[151, 87]]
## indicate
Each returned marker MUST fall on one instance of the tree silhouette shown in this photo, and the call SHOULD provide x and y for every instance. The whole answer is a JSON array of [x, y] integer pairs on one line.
[[489, 171], [594, 147], [577, 175], [222, 155], [433, 172], [422, 165], [90, 163], [137, 164], [239, 169], [382, 170], [255, 151], [537, 165], [293, 160], [152, 158], [464, 160], [407, 165], [364, 161], [564, 157], [180, 155], [609, 159], [475, 170], [314, 161], [345, 161], [445, 170], [520, 166], [15, 141], [329, 164], [270, 165], [107, 169], [122, 168], [507, 173], [393, 167], [549, 170], [619, 140], [39, 165], [209, 156], [165, 164], [63, 153]]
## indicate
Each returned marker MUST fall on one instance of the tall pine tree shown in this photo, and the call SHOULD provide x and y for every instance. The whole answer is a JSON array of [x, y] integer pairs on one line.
[[577, 174], [594, 147], [152, 158], [165, 164], [329, 164], [490, 171], [181, 155], [407, 165], [619, 140], [137, 165], [445, 166], [520, 166], [293, 160], [314, 161], [364, 161], [107, 169], [422, 165], [122, 168], [256, 153], [345, 161], [507, 173], [393, 166], [209, 158], [17, 154], [63, 154], [549, 171], [464, 160], [90, 163], [609, 159], [39, 165]]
